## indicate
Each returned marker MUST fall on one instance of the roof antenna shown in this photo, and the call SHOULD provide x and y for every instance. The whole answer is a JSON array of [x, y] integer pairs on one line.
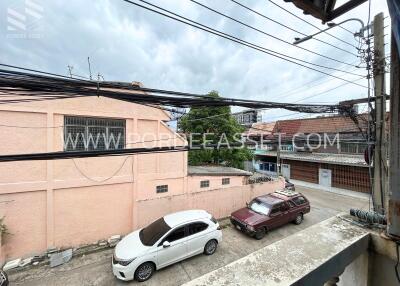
[[98, 83], [70, 68], [90, 69], [100, 76]]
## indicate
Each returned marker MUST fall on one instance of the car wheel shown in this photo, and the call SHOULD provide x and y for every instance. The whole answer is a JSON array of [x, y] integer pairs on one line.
[[260, 233], [299, 219], [144, 271], [210, 247], [3, 279]]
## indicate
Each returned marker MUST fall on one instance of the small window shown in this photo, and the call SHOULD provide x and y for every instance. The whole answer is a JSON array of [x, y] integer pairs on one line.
[[226, 181], [197, 227], [299, 200], [177, 234], [162, 189], [204, 184], [270, 167]]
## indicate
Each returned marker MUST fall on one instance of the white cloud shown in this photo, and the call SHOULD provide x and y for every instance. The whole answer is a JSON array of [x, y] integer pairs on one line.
[[126, 43]]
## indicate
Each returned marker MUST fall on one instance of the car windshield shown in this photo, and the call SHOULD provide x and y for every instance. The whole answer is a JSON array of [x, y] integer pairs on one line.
[[259, 207], [153, 232]]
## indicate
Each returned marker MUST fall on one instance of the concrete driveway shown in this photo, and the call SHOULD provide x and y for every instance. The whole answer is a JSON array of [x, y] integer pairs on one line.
[[95, 269]]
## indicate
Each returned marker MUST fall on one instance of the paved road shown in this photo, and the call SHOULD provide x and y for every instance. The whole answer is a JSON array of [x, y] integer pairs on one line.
[[95, 269]]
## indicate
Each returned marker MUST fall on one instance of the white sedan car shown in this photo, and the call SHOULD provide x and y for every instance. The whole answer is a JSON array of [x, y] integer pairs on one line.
[[168, 240]]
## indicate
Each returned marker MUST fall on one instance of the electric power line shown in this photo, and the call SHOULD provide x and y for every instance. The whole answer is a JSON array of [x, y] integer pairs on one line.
[[232, 38], [289, 28], [105, 179], [305, 21], [319, 81], [268, 34], [36, 84], [325, 91]]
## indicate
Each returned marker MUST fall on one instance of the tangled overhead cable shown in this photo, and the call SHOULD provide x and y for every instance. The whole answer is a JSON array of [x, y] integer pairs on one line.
[[17, 86]]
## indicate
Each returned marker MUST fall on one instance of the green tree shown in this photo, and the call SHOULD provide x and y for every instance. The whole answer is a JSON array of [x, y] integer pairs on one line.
[[214, 125]]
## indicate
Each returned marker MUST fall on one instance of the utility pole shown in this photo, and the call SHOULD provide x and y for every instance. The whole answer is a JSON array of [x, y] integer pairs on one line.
[[278, 151], [380, 155]]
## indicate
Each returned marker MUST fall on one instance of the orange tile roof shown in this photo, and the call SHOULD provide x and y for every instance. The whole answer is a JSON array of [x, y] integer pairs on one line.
[[260, 128], [331, 124]]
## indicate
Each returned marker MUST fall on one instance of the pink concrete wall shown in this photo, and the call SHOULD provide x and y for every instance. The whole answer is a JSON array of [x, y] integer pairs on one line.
[[219, 202], [68, 202], [25, 217], [13, 140], [84, 215], [215, 182]]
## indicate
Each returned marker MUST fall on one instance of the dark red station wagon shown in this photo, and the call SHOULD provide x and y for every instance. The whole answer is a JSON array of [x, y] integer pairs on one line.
[[269, 211]]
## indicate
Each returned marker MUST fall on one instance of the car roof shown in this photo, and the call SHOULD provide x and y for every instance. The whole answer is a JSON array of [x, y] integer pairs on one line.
[[278, 197], [269, 199], [285, 194], [181, 217]]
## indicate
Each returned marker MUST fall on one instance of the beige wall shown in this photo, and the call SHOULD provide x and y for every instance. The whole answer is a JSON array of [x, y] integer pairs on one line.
[[65, 203], [70, 202], [25, 217], [215, 182], [219, 202], [84, 215], [87, 214]]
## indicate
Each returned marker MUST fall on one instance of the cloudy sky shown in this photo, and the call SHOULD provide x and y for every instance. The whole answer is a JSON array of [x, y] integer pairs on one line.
[[127, 43]]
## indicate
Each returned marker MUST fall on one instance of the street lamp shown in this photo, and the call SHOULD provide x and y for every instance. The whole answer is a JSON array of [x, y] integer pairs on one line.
[[330, 26]]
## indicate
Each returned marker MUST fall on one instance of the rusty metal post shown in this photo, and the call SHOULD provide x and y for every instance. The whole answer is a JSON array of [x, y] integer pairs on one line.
[[393, 216]]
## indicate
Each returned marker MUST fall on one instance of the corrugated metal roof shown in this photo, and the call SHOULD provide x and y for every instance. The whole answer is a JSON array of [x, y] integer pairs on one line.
[[337, 159]]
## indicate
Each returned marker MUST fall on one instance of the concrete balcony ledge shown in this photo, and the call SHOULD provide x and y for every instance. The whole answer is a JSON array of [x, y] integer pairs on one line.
[[310, 257]]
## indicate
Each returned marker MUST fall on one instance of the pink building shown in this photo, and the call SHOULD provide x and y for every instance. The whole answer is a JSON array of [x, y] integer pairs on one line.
[[69, 202]]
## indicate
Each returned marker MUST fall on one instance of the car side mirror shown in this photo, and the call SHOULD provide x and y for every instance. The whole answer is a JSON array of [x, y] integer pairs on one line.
[[166, 244]]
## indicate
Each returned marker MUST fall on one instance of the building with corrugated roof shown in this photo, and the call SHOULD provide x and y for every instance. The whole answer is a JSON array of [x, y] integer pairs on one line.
[[326, 151]]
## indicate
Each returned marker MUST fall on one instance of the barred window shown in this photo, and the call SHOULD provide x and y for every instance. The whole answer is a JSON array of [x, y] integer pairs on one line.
[[93, 133], [226, 181], [354, 148], [286, 147], [162, 189], [204, 184], [270, 167]]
